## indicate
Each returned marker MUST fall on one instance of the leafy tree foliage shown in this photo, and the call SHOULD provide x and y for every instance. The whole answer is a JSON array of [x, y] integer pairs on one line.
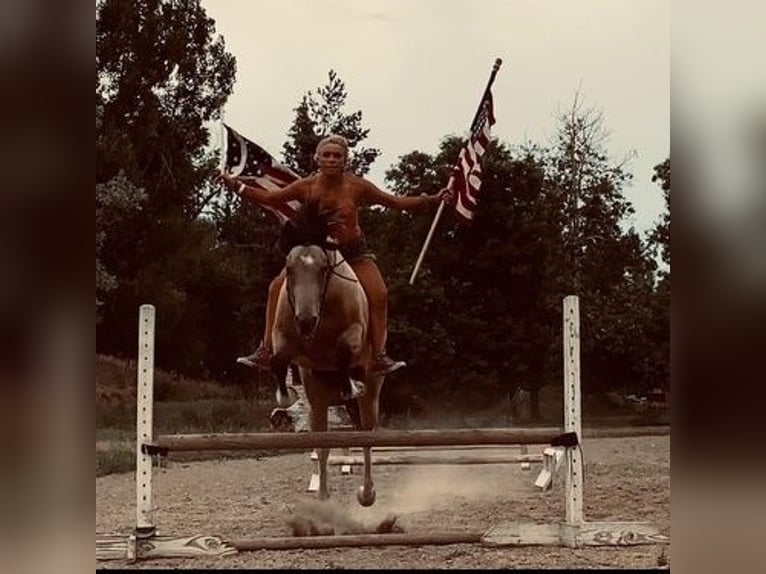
[[484, 318], [319, 115], [661, 233], [161, 74], [658, 354], [114, 200], [609, 268]]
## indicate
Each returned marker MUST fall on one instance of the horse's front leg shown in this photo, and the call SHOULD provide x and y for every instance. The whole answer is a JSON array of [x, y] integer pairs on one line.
[[366, 493], [282, 356], [279, 366], [324, 491], [368, 410], [319, 424]]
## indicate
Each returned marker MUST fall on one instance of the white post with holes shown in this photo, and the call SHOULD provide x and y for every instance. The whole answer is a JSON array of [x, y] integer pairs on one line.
[[573, 486], [144, 426]]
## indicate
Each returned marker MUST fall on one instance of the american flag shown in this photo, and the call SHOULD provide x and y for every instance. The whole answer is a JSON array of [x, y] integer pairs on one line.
[[465, 180], [257, 168]]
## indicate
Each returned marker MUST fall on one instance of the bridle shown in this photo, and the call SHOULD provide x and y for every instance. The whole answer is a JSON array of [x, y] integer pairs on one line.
[[326, 249]]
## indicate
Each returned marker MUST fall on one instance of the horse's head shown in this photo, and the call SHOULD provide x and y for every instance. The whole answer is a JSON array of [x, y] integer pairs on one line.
[[308, 266], [308, 269]]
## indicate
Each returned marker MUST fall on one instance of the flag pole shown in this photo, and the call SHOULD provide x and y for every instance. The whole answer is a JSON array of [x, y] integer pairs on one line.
[[435, 222], [427, 242], [224, 145]]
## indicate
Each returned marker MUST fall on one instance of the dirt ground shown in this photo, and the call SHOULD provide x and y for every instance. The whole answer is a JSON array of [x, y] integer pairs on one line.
[[625, 480]]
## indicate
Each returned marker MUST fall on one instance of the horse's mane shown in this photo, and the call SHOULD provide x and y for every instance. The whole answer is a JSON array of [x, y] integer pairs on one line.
[[306, 227]]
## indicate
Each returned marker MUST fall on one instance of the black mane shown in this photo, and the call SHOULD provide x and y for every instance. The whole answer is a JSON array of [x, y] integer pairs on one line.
[[306, 227]]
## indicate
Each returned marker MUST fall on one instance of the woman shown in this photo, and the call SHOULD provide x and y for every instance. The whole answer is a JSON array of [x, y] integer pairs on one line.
[[338, 194]]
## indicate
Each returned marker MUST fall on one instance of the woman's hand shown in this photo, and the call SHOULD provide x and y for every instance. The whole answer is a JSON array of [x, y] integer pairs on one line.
[[445, 195], [230, 182]]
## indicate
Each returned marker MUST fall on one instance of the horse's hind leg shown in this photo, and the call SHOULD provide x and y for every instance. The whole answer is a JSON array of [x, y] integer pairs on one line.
[[348, 348], [319, 423]]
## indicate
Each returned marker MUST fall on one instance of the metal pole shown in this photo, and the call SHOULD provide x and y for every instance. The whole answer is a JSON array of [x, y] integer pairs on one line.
[[144, 420]]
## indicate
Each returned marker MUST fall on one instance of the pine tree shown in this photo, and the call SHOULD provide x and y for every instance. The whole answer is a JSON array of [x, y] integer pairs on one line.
[[319, 115]]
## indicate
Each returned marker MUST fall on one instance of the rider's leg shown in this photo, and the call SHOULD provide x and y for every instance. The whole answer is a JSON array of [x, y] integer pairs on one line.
[[377, 296], [262, 355]]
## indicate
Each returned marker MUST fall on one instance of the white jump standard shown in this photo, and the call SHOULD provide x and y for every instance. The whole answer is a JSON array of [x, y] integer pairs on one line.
[[574, 531]]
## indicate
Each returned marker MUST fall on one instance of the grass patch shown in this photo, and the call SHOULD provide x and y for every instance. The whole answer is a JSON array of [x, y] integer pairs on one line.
[[116, 385], [116, 429], [119, 435], [113, 418], [208, 415], [116, 459], [121, 457], [211, 416]]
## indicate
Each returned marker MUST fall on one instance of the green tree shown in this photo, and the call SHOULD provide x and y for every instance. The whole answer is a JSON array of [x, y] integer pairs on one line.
[[161, 75], [609, 267], [660, 235], [115, 199], [658, 363], [319, 115], [473, 323]]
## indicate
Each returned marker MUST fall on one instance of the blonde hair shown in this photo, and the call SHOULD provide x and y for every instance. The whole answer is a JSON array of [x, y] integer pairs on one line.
[[332, 139]]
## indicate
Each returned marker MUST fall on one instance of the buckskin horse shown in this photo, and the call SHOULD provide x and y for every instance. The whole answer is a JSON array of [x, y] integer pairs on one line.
[[321, 324]]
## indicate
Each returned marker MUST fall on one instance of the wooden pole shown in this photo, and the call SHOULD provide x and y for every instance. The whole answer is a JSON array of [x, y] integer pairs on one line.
[[383, 438], [594, 432], [341, 439], [410, 459], [502, 448], [345, 540]]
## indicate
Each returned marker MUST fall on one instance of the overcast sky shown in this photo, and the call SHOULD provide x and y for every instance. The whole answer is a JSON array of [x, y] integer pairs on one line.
[[417, 68]]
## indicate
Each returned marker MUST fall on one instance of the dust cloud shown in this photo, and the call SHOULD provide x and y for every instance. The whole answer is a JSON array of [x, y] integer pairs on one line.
[[328, 518]]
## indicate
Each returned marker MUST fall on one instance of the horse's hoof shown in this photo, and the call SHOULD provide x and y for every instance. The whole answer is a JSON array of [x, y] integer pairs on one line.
[[366, 498], [281, 420], [286, 401], [357, 390]]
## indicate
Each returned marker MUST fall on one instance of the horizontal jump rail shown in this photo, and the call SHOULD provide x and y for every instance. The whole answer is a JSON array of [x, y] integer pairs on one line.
[[384, 438], [626, 432], [346, 540], [504, 448], [341, 439], [405, 459]]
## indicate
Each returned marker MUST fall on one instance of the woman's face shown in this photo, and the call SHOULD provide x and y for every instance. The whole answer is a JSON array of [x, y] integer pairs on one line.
[[331, 158]]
